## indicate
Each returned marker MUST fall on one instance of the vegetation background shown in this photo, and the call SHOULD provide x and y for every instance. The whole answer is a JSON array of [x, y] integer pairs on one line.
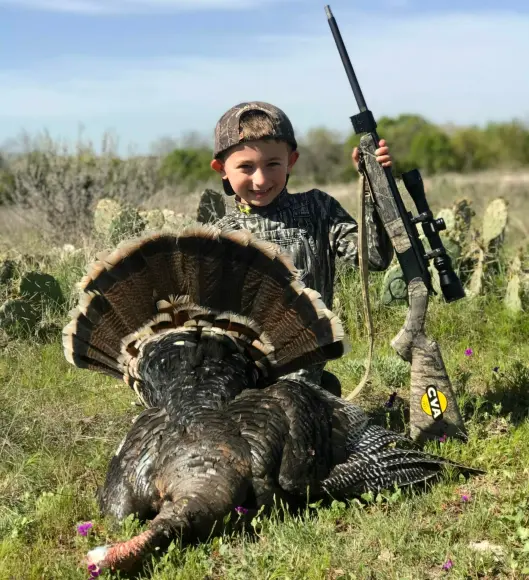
[[59, 426]]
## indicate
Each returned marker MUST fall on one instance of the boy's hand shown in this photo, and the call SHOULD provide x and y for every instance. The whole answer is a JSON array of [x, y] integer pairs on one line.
[[382, 153]]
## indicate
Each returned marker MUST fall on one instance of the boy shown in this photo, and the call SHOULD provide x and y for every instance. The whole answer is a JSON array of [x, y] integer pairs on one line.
[[255, 151]]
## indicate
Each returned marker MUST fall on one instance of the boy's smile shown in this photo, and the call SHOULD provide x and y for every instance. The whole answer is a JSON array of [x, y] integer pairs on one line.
[[257, 170]]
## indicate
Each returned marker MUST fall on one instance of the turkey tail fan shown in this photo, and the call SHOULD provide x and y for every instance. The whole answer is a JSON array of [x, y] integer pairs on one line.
[[202, 279]]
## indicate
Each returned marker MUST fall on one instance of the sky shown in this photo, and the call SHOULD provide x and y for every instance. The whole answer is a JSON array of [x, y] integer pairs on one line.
[[151, 69]]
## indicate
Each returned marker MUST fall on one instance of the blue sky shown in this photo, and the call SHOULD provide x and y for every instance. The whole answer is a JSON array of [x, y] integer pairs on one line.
[[146, 69]]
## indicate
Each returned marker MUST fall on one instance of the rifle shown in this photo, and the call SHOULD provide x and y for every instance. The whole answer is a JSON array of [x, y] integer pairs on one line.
[[434, 411]]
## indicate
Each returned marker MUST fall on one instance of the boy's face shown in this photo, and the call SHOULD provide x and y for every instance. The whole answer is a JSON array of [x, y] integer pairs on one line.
[[257, 170]]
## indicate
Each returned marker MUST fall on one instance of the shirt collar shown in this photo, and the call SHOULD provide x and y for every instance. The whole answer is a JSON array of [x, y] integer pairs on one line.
[[280, 201]]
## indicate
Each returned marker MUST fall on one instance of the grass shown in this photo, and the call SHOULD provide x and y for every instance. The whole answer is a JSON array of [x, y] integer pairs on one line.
[[59, 427]]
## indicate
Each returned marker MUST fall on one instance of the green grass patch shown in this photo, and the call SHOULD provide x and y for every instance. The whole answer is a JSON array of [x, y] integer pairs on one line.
[[60, 425]]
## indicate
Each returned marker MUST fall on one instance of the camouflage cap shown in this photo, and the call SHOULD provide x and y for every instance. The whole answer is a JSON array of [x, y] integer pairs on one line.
[[228, 134]]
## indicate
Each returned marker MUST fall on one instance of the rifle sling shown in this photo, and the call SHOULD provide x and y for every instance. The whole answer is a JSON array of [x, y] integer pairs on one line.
[[363, 265]]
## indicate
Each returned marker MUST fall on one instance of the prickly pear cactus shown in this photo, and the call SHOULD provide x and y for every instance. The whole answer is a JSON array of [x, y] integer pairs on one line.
[[449, 218], [106, 211], [8, 270], [494, 224], [394, 288], [41, 288], [517, 292], [458, 221], [153, 219], [18, 318], [475, 285], [48, 331], [513, 294], [175, 222], [453, 249], [481, 261], [463, 214], [211, 207], [127, 224]]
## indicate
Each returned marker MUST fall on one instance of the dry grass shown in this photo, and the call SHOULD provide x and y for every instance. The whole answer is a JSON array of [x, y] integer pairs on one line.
[[443, 190], [25, 228]]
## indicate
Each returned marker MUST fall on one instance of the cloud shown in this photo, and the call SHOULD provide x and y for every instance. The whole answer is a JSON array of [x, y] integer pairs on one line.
[[133, 6], [453, 68]]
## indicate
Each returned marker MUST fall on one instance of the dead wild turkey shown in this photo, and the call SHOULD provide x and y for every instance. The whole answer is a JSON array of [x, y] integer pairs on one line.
[[202, 326]]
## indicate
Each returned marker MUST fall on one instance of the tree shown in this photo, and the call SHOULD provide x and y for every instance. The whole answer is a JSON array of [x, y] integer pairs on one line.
[[321, 157], [472, 150], [431, 151], [399, 134], [186, 166]]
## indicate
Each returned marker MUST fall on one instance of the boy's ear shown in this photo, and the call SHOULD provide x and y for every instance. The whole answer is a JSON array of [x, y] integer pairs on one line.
[[293, 157], [218, 166]]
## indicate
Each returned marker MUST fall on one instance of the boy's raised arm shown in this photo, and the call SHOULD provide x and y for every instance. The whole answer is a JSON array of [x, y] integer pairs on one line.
[[343, 237]]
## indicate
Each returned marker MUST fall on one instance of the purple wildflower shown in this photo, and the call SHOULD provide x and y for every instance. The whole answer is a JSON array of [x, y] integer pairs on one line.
[[241, 510], [94, 570], [469, 352], [391, 400], [443, 438], [447, 565], [82, 529], [465, 498]]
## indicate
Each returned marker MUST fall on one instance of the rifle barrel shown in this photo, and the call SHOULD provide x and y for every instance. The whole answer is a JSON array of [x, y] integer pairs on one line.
[[346, 61]]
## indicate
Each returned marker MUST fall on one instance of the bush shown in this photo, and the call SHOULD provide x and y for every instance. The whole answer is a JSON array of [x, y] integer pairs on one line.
[[322, 157], [187, 167], [64, 187]]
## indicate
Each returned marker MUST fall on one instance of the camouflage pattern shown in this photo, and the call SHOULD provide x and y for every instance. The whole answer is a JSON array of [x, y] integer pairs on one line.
[[316, 230], [434, 411], [228, 134]]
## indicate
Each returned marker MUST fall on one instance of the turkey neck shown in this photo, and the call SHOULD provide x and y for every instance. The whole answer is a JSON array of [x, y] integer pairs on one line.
[[187, 372]]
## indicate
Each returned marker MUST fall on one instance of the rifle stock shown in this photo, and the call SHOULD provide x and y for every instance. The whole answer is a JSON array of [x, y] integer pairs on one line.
[[434, 411]]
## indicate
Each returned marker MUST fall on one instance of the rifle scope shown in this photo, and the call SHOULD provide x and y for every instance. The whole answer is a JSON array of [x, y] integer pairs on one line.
[[449, 281], [364, 122]]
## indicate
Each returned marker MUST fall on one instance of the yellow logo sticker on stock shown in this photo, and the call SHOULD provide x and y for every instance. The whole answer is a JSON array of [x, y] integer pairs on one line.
[[434, 403]]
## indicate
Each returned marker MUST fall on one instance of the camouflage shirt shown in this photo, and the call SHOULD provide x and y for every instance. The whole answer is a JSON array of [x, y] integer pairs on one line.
[[315, 229]]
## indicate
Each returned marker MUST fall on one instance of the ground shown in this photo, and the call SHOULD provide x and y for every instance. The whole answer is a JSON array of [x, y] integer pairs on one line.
[[60, 425]]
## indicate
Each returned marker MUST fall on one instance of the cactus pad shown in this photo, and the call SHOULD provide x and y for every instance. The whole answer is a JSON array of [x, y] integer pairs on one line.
[[8, 270], [105, 212], [453, 249], [48, 331], [513, 294], [494, 221], [517, 287], [211, 207], [463, 213], [154, 219], [475, 285], [40, 287], [127, 224], [436, 281], [394, 288], [18, 318], [449, 218], [175, 222]]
